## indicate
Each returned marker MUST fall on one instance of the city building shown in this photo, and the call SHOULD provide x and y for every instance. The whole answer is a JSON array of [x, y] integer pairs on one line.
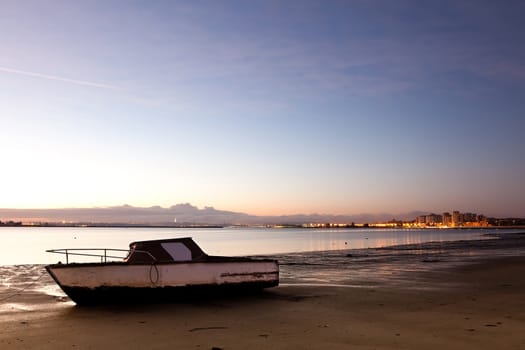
[[447, 219], [456, 219]]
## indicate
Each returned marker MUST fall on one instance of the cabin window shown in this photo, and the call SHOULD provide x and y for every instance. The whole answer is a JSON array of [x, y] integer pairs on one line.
[[178, 251]]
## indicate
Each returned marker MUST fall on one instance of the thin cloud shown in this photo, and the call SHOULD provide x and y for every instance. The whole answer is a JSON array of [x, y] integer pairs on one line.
[[57, 78]]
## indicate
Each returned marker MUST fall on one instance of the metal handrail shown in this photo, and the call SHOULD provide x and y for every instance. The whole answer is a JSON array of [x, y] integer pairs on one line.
[[103, 257], [76, 251]]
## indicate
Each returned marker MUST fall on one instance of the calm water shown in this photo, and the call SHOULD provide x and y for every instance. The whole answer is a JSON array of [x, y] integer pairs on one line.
[[27, 245]]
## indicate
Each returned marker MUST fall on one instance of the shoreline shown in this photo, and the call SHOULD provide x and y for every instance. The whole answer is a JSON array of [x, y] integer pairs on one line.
[[262, 226], [484, 310], [474, 304]]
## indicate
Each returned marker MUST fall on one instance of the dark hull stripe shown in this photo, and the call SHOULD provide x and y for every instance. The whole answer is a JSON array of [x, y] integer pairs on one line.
[[128, 295]]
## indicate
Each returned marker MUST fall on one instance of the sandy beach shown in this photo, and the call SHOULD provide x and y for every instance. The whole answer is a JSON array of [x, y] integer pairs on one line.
[[475, 305]]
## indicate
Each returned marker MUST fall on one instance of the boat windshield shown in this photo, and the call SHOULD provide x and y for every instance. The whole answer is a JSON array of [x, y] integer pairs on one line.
[[179, 249]]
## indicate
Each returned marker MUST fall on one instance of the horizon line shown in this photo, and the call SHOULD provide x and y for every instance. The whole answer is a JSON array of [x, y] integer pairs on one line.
[[381, 213]]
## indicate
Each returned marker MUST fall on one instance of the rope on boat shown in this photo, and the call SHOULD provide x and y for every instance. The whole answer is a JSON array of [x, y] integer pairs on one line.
[[157, 274], [20, 291]]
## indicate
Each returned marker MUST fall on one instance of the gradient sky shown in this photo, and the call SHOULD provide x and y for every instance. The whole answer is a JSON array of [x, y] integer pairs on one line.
[[264, 107]]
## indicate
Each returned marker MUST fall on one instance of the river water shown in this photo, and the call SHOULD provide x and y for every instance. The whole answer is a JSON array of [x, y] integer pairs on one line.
[[28, 245]]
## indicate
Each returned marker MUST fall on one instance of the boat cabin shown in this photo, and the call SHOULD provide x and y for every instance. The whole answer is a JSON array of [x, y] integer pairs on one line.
[[164, 250]]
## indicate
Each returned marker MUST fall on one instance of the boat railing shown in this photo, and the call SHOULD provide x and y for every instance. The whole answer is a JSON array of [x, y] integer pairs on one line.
[[105, 254]]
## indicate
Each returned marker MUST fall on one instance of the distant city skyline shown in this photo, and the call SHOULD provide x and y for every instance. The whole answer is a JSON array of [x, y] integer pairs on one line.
[[262, 107], [187, 214]]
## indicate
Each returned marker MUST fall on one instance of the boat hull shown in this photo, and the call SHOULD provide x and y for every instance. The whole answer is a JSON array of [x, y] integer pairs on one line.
[[120, 282]]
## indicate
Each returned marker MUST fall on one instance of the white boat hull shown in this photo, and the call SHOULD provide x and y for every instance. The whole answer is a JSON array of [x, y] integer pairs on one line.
[[99, 283]]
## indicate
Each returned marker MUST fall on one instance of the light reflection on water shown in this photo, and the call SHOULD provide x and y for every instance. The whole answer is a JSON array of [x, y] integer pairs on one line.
[[404, 266], [27, 245]]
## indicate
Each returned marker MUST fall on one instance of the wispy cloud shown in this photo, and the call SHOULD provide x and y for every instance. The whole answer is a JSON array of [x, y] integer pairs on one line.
[[57, 78]]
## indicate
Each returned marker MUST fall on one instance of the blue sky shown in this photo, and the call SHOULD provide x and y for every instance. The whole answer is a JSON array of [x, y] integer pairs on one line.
[[265, 107]]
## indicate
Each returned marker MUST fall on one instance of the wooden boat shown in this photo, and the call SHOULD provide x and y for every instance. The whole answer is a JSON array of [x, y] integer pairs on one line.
[[159, 270]]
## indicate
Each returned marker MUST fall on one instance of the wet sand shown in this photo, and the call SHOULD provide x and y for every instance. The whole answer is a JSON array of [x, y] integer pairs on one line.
[[476, 304]]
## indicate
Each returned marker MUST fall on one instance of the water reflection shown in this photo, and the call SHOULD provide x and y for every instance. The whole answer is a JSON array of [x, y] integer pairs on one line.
[[27, 245], [401, 266]]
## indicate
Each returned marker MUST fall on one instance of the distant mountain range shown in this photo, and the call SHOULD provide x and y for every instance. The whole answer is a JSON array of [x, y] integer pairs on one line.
[[183, 214]]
